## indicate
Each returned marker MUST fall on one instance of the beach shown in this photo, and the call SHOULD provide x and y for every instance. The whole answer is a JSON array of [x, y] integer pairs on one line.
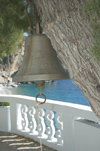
[[4, 90]]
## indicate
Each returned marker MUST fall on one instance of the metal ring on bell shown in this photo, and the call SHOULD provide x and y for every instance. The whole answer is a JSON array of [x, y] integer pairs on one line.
[[44, 99]]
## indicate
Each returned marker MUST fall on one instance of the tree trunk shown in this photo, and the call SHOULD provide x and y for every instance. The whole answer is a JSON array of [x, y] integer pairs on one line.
[[71, 37]]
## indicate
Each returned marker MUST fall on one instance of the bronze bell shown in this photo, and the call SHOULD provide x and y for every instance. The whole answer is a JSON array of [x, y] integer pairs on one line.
[[40, 62]]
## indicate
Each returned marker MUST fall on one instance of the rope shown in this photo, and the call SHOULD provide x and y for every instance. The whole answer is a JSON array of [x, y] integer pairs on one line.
[[31, 27], [35, 116]]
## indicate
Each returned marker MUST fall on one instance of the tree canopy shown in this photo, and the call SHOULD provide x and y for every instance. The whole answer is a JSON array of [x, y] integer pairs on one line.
[[92, 13], [13, 24]]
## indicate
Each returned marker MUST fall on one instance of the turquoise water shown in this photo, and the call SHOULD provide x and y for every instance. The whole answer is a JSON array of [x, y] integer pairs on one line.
[[62, 90]]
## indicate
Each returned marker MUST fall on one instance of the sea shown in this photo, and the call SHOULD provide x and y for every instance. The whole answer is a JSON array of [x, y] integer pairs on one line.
[[61, 90]]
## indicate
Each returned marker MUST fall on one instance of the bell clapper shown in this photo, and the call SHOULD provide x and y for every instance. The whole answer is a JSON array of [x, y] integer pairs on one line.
[[40, 85]]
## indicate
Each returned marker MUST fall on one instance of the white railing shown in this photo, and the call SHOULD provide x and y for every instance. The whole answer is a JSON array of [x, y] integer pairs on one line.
[[62, 126]]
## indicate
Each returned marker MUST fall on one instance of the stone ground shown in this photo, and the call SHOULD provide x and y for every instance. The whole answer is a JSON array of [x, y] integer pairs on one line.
[[13, 142]]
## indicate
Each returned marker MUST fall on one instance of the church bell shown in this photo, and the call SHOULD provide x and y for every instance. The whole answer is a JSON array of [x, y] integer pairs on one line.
[[40, 61]]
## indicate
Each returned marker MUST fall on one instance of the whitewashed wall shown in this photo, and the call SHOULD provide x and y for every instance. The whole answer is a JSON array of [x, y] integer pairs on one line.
[[5, 119], [77, 127]]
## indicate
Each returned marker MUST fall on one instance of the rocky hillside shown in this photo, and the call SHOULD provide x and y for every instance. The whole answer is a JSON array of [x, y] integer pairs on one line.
[[10, 65]]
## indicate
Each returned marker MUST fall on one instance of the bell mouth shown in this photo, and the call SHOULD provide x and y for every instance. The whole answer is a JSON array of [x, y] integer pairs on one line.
[[44, 77]]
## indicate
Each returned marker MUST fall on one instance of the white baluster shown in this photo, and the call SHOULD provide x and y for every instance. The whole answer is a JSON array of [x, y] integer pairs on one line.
[[41, 123], [51, 128], [24, 122], [19, 117], [32, 121], [59, 124]]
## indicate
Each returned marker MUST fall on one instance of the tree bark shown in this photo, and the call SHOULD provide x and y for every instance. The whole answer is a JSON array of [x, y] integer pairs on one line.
[[71, 37]]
